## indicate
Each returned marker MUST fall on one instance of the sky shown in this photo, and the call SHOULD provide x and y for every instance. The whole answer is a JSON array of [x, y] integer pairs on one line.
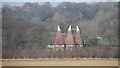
[[53, 2], [22, 3], [60, 0]]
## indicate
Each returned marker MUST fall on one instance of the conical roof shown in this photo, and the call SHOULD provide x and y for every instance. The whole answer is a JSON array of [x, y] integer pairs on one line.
[[69, 40], [78, 38], [58, 39]]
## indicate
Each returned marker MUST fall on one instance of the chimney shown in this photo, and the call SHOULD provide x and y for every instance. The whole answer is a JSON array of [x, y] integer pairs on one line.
[[58, 28]]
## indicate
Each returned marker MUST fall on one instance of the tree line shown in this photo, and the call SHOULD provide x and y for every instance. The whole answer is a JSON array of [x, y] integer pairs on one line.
[[33, 25]]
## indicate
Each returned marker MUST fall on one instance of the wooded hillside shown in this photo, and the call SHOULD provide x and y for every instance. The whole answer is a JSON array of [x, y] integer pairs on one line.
[[33, 25]]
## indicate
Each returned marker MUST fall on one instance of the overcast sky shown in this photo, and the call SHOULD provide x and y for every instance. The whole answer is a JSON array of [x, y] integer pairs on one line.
[[53, 2], [60, 0], [22, 3]]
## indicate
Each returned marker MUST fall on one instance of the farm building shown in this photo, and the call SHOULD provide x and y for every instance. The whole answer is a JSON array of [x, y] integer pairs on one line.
[[69, 41]]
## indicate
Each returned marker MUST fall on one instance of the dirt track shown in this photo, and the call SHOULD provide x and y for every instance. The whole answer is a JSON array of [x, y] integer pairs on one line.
[[86, 62]]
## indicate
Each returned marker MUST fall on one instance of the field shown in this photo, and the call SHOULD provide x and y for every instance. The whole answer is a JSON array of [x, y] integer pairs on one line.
[[61, 62]]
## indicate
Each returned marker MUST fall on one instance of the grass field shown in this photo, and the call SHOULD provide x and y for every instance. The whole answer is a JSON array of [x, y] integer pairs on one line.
[[62, 62]]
